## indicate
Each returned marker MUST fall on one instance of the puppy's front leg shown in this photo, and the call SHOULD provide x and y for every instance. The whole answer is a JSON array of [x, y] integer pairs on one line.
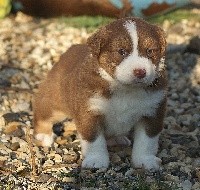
[[145, 149], [95, 153]]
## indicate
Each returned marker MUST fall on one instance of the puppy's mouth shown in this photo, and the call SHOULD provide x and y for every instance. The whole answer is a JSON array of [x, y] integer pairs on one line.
[[141, 82]]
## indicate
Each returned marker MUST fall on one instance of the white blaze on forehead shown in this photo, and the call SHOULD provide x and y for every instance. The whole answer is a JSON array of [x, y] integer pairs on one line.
[[132, 30], [124, 71]]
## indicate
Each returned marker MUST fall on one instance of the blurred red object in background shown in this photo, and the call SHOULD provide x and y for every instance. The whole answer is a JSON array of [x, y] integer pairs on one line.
[[110, 8]]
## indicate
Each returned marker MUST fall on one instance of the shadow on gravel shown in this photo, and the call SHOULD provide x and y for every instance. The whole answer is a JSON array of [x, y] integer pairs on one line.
[[179, 147]]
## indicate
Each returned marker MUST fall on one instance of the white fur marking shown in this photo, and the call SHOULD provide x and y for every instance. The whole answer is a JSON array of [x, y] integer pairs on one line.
[[126, 107], [132, 30], [98, 103], [95, 153], [105, 75], [145, 149], [113, 83], [46, 140]]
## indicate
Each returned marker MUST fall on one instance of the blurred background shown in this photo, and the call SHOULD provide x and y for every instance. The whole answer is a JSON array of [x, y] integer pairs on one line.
[[111, 8]]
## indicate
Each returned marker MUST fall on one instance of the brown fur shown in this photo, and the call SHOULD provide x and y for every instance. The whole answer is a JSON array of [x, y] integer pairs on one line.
[[69, 77], [75, 78], [155, 124]]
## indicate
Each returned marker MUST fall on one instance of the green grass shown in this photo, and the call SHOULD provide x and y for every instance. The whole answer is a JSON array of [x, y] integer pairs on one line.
[[88, 22], [91, 23], [175, 16]]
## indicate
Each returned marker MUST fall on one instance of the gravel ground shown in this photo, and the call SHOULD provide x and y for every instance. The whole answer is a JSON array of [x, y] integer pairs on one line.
[[29, 48]]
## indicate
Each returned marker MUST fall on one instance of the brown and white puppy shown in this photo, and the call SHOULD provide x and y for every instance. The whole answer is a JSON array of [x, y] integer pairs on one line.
[[113, 84]]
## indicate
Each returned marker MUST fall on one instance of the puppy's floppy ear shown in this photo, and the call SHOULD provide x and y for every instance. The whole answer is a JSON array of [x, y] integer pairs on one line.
[[97, 41], [162, 38]]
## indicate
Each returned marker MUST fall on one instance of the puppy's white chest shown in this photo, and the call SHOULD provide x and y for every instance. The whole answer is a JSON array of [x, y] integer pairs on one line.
[[125, 108]]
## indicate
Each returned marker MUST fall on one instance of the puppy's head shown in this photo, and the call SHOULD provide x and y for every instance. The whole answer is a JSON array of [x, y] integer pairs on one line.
[[130, 51]]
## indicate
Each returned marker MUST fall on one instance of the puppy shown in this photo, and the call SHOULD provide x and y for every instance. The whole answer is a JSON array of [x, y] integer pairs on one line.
[[110, 86]]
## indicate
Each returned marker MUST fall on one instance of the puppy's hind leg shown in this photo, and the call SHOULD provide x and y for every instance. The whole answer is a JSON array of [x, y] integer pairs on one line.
[[43, 126]]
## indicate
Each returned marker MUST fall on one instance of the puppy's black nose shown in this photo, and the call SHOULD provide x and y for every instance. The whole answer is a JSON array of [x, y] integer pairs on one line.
[[139, 73]]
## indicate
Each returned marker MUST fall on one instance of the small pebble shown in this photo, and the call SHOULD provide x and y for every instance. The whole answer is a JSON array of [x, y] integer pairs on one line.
[[115, 159], [15, 146], [186, 185], [129, 172]]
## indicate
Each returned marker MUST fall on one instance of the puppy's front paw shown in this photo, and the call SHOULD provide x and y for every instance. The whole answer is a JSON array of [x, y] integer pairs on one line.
[[149, 162], [96, 161]]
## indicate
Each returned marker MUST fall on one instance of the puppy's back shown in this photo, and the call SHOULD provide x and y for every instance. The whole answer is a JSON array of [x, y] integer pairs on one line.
[[70, 60], [50, 88]]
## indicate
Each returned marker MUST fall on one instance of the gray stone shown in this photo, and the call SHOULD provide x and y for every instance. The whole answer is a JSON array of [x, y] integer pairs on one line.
[[186, 185]]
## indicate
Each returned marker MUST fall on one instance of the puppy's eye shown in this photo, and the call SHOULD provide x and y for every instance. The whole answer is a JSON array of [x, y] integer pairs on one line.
[[151, 52], [123, 52]]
